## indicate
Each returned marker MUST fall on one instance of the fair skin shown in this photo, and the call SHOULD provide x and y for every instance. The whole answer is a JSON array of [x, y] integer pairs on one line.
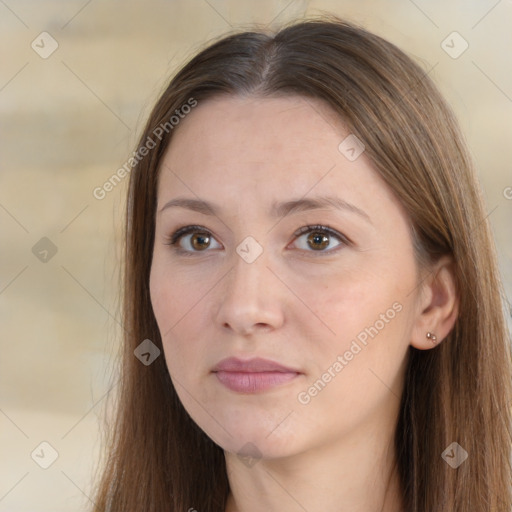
[[300, 303]]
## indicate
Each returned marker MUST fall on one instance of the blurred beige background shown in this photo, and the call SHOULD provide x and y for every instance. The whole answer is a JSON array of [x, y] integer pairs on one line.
[[69, 120]]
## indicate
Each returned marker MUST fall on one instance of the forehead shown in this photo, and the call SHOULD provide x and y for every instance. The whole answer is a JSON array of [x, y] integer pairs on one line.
[[257, 150], [248, 136], [247, 126]]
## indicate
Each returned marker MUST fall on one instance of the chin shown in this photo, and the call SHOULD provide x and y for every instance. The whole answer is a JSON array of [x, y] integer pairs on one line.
[[254, 439], [246, 447], [239, 423]]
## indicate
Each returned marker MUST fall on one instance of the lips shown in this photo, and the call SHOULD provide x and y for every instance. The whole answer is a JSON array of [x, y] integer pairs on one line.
[[253, 375], [232, 364]]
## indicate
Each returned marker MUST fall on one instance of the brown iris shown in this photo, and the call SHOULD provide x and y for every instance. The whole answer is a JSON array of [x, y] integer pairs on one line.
[[318, 238], [198, 240]]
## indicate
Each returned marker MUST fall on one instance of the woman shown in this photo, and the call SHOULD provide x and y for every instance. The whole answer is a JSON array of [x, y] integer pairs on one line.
[[307, 249]]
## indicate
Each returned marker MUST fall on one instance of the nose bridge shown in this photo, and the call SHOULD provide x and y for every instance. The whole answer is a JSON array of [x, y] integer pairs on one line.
[[249, 268], [246, 293]]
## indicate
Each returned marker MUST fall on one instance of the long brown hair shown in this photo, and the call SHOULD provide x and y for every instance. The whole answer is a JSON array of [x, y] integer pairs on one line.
[[156, 457]]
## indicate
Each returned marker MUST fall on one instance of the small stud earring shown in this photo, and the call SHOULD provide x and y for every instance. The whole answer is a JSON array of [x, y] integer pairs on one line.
[[431, 336]]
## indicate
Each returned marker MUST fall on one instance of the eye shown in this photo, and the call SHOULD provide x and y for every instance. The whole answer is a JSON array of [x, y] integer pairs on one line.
[[319, 238], [200, 239]]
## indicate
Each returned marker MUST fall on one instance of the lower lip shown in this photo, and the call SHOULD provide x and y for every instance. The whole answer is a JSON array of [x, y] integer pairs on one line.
[[253, 382]]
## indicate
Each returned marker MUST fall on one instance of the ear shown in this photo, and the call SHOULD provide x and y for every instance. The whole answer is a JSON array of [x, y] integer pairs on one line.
[[437, 305]]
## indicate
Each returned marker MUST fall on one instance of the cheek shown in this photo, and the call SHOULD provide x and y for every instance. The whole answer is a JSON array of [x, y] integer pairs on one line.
[[178, 313], [349, 303], [366, 319], [359, 372], [161, 302], [174, 296]]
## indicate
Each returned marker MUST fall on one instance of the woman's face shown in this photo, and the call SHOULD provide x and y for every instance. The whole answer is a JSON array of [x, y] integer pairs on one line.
[[330, 308]]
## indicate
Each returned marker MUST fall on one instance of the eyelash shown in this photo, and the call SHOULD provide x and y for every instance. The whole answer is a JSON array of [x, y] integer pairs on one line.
[[173, 239]]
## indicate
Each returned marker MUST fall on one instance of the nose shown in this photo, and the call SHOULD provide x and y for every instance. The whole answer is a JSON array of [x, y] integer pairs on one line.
[[251, 297]]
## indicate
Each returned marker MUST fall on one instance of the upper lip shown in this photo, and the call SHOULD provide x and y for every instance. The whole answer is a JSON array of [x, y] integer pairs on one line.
[[254, 365]]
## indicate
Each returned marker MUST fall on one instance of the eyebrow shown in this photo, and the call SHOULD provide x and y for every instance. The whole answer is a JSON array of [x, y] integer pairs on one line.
[[278, 209]]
